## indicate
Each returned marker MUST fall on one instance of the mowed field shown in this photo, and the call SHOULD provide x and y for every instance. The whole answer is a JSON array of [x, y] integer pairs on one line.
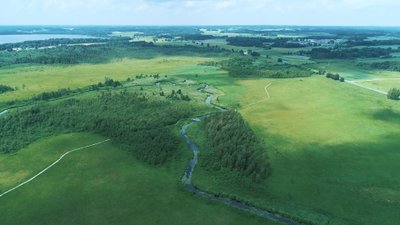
[[102, 185], [334, 151], [32, 80]]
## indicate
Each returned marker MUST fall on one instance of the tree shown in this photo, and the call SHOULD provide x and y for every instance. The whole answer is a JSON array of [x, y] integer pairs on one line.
[[394, 94], [280, 60], [255, 54], [5, 88]]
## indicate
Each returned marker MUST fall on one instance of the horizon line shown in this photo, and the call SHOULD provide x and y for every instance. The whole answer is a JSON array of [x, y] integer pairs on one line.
[[196, 25]]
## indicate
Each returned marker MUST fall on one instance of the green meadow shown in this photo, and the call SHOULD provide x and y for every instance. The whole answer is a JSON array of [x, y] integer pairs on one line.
[[102, 185], [333, 149], [35, 79]]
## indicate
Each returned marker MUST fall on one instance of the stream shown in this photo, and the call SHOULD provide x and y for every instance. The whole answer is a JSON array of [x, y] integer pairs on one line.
[[187, 177]]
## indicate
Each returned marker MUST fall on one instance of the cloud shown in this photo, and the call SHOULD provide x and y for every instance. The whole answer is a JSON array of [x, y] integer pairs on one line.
[[298, 12]]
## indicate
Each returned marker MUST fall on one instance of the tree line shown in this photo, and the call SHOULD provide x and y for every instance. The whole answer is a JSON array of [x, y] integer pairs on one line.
[[386, 65], [353, 43], [250, 67], [335, 76], [50, 42], [348, 53], [235, 146], [115, 48], [142, 126]]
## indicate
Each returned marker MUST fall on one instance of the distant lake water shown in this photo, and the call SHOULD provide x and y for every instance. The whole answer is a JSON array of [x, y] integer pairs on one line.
[[36, 37]]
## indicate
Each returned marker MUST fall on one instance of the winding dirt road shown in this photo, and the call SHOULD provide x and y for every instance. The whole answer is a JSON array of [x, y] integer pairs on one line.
[[3, 112], [53, 164], [267, 96], [366, 87]]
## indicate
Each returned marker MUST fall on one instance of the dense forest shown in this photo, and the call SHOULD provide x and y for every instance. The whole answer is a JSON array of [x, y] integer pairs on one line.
[[129, 119], [247, 41], [49, 43], [235, 146], [353, 43], [348, 53], [386, 65], [250, 67], [114, 48]]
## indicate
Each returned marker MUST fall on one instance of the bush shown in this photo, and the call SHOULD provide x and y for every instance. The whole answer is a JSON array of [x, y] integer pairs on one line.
[[394, 94], [333, 76], [5, 88]]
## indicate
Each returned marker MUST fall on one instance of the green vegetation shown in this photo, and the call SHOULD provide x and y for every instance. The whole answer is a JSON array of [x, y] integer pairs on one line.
[[312, 157], [350, 53], [353, 43], [34, 79], [115, 48], [53, 94], [394, 94], [246, 41], [5, 88], [335, 77], [235, 146], [332, 149], [144, 132], [249, 67], [386, 65], [102, 185]]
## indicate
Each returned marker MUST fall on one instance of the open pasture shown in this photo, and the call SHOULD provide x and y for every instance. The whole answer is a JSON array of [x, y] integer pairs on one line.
[[32, 80], [332, 147], [103, 185]]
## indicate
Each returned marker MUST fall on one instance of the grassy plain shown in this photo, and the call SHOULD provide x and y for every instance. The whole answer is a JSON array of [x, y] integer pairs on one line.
[[382, 84], [32, 80], [103, 185], [333, 148]]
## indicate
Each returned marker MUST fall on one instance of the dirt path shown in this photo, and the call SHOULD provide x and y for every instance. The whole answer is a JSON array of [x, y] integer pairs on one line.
[[4, 112], [366, 87], [53, 164], [187, 177], [377, 79], [267, 97]]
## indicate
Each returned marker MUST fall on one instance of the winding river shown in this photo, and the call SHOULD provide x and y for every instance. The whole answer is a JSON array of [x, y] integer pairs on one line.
[[187, 177]]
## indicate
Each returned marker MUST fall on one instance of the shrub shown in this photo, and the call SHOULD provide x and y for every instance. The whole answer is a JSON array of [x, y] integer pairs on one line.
[[394, 94], [333, 76], [5, 88]]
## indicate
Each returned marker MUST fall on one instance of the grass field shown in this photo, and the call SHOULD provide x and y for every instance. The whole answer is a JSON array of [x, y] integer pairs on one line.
[[333, 148], [32, 80], [103, 185], [382, 84]]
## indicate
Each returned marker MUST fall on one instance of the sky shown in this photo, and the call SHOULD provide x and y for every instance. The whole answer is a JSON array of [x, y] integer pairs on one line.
[[201, 12]]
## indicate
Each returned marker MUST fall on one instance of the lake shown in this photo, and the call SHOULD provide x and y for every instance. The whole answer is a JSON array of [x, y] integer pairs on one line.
[[36, 37]]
